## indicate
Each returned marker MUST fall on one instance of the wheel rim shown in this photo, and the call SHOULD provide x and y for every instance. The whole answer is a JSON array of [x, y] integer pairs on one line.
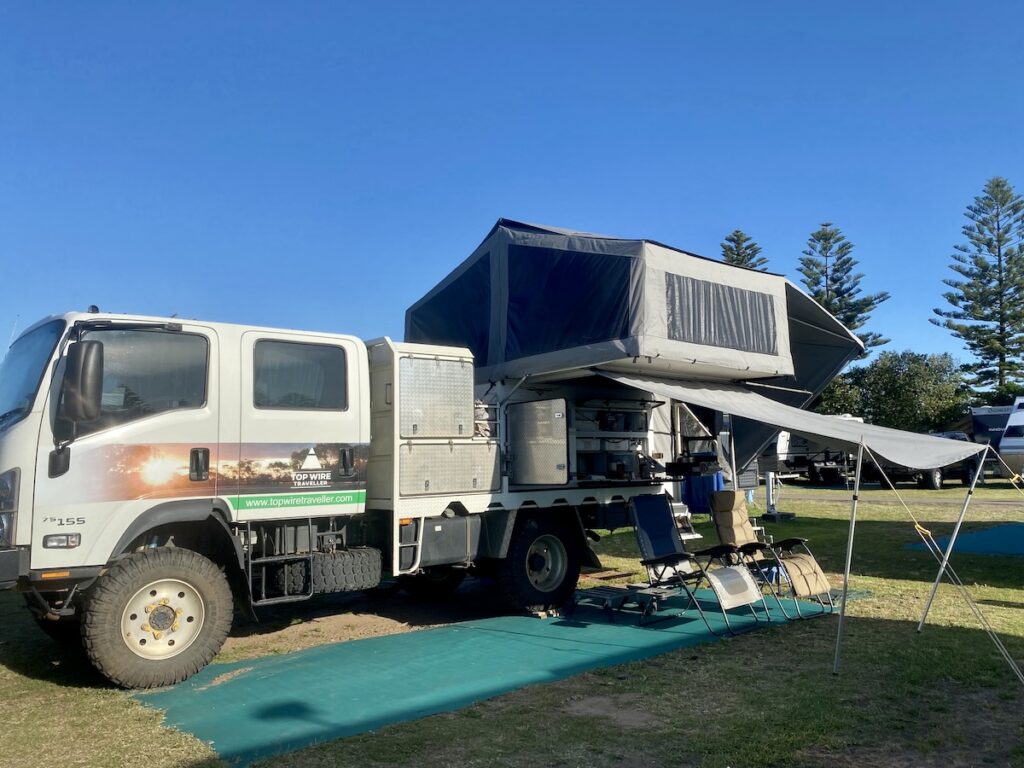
[[162, 619], [546, 563]]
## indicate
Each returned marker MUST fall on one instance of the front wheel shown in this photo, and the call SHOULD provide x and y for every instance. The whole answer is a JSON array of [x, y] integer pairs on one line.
[[156, 617], [542, 565]]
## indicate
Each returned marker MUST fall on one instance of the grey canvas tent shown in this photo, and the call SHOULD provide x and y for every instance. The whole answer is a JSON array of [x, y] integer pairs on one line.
[[537, 300]]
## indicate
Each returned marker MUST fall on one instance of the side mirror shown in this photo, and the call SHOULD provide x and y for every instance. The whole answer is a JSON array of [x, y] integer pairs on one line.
[[83, 382]]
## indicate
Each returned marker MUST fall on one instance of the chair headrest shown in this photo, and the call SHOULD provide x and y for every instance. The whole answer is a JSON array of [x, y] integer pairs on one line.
[[728, 501]]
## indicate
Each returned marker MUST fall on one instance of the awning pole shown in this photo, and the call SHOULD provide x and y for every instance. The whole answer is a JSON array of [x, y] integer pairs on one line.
[[952, 538], [732, 455], [849, 557]]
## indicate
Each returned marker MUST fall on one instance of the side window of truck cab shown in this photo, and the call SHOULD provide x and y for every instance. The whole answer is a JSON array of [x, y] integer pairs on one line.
[[146, 372], [299, 376]]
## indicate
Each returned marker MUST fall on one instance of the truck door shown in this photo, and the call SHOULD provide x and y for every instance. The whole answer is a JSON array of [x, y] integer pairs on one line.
[[304, 426], [153, 443]]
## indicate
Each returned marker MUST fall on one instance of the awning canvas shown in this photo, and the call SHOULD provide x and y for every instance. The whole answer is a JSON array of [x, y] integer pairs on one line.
[[907, 449]]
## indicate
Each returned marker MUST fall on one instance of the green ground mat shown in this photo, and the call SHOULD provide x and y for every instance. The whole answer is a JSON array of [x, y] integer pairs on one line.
[[253, 709]]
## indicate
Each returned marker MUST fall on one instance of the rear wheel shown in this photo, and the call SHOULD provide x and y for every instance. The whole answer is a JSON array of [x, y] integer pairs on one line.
[[542, 565], [156, 617], [931, 479]]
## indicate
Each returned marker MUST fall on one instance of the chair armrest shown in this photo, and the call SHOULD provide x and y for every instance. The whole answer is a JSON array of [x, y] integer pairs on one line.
[[673, 559], [788, 544], [752, 547], [720, 550]]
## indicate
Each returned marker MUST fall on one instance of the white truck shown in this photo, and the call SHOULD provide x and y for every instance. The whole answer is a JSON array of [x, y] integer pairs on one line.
[[155, 473]]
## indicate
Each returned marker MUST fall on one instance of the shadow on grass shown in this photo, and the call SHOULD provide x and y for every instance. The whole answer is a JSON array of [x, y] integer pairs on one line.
[[27, 650]]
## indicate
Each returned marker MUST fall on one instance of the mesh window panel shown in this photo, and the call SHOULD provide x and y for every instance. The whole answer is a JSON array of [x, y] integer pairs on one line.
[[701, 312]]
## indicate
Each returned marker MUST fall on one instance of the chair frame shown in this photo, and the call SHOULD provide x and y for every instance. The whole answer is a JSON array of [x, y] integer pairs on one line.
[[663, 570]]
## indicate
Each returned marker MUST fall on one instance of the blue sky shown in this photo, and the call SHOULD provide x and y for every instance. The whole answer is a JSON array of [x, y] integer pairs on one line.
[[322, 165]]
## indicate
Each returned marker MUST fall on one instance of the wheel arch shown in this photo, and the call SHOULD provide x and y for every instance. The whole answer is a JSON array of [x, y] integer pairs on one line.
[[502, 524], [194, 524]]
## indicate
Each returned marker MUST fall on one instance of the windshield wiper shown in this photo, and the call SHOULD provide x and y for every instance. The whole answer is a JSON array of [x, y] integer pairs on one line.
[[16, 411]]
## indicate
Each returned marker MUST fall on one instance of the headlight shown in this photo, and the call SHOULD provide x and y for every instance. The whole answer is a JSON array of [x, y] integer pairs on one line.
[[8, 506]]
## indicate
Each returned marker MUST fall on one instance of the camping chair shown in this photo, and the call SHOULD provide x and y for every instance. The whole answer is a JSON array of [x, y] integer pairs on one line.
[[668, 563], [799, 569]]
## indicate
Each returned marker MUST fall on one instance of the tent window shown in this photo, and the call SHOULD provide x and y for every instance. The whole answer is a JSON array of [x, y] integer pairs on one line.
[[560, 299], [701, 312]]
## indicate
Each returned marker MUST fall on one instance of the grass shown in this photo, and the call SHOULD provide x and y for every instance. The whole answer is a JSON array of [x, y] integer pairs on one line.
[[767, 699]]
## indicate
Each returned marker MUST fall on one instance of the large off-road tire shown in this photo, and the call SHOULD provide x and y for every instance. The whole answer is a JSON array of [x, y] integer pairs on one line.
[[348, 570], [439, 581], [543, 563], [156, 617]]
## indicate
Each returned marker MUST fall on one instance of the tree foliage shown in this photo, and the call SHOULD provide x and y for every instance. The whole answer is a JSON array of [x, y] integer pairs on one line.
[[741, 251], [828, 273], [987, 296], [903, 390]]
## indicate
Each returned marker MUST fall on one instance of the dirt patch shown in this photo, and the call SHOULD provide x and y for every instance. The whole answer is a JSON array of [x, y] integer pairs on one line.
[[219, 679], [339, 618], [625, 710]]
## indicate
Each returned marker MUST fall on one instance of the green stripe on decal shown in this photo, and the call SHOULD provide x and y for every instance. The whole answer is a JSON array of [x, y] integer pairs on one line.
[[288, 500]]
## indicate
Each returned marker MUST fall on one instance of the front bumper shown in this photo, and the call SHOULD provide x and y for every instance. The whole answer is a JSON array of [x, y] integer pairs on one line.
[[13, 565]]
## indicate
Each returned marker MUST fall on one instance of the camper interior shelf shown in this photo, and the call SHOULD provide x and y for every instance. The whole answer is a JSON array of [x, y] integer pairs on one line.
[[608, 441]]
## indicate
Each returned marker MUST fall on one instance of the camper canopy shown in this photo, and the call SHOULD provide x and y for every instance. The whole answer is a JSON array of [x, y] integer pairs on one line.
[[905, 448], [535, 300]]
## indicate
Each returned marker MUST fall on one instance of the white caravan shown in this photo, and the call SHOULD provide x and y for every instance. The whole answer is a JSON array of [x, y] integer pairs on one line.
[[1011, 444]]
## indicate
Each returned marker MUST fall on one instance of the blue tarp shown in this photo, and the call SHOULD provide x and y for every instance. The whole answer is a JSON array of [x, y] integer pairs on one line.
[[999, 540], [253, 709]]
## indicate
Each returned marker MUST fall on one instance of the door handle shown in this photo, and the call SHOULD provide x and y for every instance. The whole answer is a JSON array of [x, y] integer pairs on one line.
[[199, 464], [348, 467]]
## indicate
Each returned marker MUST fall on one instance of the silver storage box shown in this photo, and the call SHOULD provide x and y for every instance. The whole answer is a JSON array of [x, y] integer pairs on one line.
[[539, 442], [435, 397], [427, 468]]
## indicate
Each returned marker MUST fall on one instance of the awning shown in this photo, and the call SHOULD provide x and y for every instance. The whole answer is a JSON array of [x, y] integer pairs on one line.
[[907, 449]]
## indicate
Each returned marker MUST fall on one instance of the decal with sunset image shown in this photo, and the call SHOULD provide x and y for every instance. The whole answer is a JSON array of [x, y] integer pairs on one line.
[[307, 473]]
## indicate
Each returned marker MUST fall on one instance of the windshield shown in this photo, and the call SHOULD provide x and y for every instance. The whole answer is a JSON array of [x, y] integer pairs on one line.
[[22, 370]]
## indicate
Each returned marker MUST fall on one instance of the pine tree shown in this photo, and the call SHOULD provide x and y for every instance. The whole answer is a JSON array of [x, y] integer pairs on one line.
[[988, 302], [827, 266], [740, 251]]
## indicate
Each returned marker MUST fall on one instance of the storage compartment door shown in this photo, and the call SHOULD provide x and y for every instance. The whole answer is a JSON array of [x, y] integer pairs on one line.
[[539, 442]]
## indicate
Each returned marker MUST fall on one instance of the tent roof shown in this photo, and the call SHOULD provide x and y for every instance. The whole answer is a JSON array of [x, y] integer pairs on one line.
[[907, 449], [526, 226]]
